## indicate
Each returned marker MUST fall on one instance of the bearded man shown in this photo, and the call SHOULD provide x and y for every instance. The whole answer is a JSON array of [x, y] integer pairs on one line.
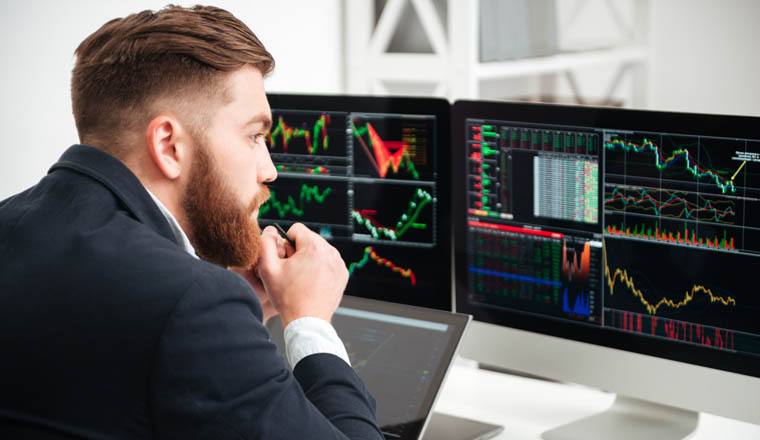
[[134, 279]]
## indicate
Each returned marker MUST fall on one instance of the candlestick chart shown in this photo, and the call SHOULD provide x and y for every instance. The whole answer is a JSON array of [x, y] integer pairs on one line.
[[308, 142], [396, 213], [370, 257], [683, 190], [710, 165], [303, 169], [401, 270], [309, 133], [367, 181], [694, 219], [625, 237]]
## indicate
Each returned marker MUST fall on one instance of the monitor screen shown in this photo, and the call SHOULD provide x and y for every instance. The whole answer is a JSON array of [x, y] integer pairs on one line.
[[372, 176], [627, 229]]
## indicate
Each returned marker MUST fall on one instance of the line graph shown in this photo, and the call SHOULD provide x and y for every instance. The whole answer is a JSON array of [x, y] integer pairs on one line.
[[319, 169], [406, 221], [380, 156], [680, 158], [388, 147], [312, 137], [621, 275], [370, 254], [307, 201], [682, 293], [307, 133], [709, 221], [409, 220], [698, 191], [308, 194], [309, 142], [363, 347], [667, 203]]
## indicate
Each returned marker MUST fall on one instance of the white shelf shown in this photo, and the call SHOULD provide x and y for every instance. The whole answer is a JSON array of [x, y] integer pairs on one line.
[[559, 62], [410, 67], [454, 68]]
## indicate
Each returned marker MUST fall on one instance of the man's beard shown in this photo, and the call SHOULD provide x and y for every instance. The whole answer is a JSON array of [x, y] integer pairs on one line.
[[222, 230]]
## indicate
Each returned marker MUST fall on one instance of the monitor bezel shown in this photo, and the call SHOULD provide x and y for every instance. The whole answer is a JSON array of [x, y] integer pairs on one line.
[[599, 117], [441, 109]]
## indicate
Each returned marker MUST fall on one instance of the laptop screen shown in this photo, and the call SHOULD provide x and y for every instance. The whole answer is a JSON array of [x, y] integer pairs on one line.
[[402, 354]]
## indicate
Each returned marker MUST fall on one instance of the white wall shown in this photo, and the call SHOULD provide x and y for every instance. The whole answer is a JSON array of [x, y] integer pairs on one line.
[[37, 42], [705, 56]]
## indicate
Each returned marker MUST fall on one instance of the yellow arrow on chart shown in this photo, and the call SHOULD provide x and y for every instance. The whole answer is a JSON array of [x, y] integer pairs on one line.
[[737, 171]]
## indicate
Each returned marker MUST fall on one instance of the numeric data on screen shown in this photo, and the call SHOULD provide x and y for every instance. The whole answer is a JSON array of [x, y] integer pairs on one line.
[[650, 233]]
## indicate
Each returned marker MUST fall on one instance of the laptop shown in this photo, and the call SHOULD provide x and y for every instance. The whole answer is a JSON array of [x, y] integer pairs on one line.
[[401, 352]]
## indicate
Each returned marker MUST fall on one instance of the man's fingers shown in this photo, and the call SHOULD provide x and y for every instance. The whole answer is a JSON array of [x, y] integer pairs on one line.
[[299, 233], [289, 251], [269, 258], [282, 245], [269, 230], [306, 238]]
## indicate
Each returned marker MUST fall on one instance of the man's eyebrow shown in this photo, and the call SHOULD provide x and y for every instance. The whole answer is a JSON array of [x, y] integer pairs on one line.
[[262, 118]]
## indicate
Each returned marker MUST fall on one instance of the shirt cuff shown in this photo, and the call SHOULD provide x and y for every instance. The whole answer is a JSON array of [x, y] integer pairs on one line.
[[308, 335]]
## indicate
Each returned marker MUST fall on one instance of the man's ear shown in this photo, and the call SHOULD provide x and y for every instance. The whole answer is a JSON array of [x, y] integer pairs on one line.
[[165, 142]]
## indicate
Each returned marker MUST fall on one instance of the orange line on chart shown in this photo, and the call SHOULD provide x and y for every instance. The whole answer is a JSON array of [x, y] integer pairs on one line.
[[622, 274]]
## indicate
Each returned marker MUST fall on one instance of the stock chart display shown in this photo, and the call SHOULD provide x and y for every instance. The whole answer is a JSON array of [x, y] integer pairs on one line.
[[647, 233], [367, 182]]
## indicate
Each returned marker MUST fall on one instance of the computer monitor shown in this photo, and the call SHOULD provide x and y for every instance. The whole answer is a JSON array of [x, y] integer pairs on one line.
[[613, 248], [372, 175]]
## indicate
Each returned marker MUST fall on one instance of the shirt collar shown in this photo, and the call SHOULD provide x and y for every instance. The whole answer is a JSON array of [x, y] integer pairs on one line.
[[179, 234]]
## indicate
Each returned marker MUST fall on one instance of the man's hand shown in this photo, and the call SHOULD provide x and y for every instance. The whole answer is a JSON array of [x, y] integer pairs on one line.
[[307, 282], [250, 274]]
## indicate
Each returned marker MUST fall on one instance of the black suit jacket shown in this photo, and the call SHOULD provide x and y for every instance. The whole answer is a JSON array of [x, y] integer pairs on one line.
[[108, 329]]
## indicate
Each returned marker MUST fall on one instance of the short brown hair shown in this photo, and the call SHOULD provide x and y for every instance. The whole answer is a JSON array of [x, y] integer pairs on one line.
[[176, 53]]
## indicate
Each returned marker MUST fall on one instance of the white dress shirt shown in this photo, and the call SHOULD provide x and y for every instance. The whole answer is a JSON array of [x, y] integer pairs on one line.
[[303, 337]]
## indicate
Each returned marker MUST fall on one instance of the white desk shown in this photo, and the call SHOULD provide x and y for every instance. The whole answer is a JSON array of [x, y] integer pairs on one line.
[[528, 407]]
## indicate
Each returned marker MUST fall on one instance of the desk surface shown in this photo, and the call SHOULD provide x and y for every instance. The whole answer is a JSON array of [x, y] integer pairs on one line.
[[528, 407]]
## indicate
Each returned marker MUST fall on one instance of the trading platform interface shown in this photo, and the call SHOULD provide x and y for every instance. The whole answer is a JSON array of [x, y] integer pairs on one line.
[[649, 233], [369, 183]]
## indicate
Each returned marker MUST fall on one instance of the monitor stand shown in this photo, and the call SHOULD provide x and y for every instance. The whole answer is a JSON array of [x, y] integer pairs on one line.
[[448, 427], [630, 418]]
